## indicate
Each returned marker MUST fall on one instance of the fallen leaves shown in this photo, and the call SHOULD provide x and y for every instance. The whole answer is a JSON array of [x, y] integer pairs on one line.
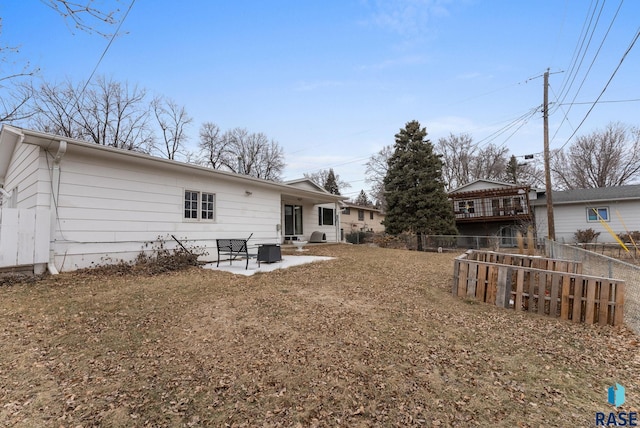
[[371, 338]]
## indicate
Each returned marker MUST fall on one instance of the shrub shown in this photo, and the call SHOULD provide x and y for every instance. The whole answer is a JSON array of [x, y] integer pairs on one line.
[[357, 237], [586, 236], [631, 236], [385, 240], [154, 261]]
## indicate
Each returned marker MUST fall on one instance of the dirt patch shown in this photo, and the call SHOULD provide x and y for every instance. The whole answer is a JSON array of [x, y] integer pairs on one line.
[[371, 338]]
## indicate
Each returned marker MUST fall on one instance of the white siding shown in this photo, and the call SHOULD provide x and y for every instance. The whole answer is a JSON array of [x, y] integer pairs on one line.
[[24, 237], [28, 174], [113, 209], [331, 231], [623, 216]]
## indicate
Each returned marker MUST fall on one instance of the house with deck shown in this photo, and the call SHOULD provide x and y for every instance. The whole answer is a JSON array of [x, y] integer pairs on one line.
[[68, 204], [493, 208]]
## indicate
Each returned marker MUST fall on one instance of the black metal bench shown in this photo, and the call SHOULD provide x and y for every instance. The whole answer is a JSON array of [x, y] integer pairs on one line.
[[234, 248]]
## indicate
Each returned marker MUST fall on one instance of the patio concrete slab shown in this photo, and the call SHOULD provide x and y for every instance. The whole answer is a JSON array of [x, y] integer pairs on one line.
[[237, 267]]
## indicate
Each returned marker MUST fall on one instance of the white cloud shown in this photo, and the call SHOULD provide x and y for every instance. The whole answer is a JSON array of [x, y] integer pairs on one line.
[[406, 17]]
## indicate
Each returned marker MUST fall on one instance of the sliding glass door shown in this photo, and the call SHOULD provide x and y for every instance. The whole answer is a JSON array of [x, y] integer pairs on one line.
[[292, 220]]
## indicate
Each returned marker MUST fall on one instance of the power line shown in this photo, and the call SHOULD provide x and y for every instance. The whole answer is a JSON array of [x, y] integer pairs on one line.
[[113, 36], [633, 42], [602, 102], [604, 38], [575, 63]]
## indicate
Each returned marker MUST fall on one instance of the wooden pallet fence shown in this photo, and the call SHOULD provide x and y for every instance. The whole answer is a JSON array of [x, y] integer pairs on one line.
[[525, 261], [558, 294]]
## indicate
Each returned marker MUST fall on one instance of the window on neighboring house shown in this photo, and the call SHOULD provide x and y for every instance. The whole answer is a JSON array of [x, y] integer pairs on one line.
[[325, 216], [371, 215], [597, 214], [361, 215], [346, 211], [199, 205]]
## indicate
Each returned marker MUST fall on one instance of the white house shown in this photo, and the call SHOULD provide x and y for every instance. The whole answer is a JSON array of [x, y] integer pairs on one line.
[[605, 210], [68, 204]]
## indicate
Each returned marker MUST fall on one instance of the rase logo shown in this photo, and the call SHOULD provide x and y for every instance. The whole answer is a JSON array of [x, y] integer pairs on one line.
[[615, 397]]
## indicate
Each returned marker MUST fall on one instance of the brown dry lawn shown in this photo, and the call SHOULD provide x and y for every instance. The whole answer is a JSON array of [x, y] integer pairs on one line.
[[371, 338]]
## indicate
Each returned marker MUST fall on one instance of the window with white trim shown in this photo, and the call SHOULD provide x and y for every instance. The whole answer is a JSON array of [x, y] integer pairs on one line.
[[325, 216], [199, 205], [597, 213]]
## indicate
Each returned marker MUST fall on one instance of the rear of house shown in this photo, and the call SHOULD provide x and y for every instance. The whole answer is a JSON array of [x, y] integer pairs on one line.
[[608, 211], [358, 218], [93, 204], [493, 208]]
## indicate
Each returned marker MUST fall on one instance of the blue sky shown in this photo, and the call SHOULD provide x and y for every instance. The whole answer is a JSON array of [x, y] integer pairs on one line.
[[333, 81]]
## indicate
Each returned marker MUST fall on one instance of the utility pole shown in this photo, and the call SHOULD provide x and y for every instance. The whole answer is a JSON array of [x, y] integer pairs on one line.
[[551, 228]]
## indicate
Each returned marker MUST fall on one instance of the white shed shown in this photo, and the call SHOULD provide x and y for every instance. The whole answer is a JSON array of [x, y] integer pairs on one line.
[[70, 204]]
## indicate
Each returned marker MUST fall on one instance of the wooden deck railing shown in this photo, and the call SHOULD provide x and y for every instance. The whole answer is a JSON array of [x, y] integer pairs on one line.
[[560, 293]]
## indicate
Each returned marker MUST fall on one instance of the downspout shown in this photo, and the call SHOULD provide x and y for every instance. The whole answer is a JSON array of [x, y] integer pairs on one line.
[[337, 220], [55, 191]]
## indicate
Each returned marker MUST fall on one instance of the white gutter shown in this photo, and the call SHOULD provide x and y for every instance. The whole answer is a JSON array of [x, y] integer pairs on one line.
[[337, 220], [55, 191]]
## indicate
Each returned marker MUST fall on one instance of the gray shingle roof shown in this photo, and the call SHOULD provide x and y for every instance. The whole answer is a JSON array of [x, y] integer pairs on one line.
[[598, 194]]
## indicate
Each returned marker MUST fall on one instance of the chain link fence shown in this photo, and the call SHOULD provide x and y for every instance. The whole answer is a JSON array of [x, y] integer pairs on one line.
[[593, 263], [608, 267]]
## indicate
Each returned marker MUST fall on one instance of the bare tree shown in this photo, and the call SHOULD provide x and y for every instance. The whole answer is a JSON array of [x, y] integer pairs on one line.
[[84, 16], [241, 152], [457, 153], [376, 170], [14, 92], [215, 148], [173, 121], [105, 112], [604, 158], [490, 163], [463, 161], [256, 155], [323, 177]]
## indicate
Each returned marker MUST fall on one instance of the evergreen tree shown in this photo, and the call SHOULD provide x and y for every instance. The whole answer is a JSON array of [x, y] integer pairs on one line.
[[363, 199], [331, 184], [512, 170], [414, 189]]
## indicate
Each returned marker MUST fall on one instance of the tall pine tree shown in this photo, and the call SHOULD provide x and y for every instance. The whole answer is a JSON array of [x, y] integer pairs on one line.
[[331, 184], [414, 189], [363, 199]]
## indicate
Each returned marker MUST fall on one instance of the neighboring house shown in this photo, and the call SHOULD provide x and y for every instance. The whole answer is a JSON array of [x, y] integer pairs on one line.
[[581, 209], [77, 204], [356, 218], [492, 208]]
